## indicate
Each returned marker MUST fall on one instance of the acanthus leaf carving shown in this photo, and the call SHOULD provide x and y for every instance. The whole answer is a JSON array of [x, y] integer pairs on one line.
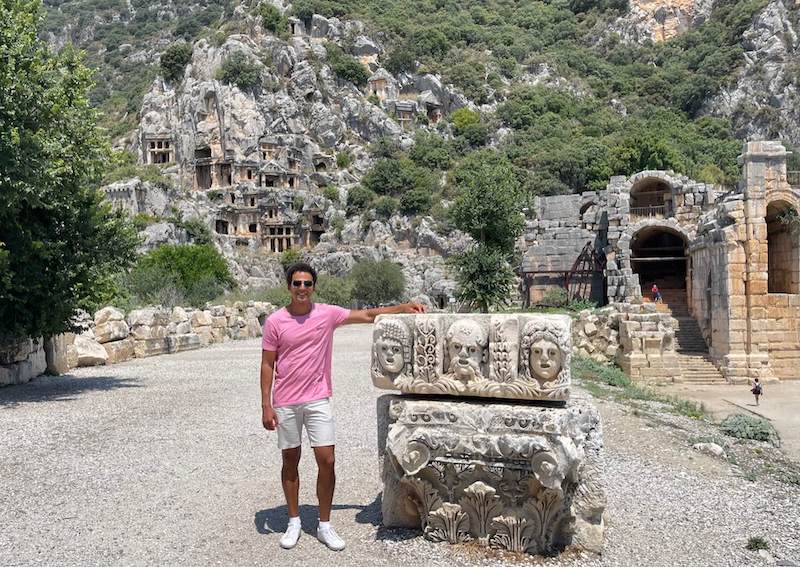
[[481, 503], [448, 523], [511, 533]]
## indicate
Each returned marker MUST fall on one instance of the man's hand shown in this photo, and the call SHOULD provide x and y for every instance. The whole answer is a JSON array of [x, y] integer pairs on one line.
[[269, 418], [412, 308]]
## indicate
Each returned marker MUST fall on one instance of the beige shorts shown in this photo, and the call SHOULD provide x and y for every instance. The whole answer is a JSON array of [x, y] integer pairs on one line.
[[316, 416]]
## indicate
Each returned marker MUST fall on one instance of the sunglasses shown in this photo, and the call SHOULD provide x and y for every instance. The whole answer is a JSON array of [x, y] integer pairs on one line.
[[306, 283]]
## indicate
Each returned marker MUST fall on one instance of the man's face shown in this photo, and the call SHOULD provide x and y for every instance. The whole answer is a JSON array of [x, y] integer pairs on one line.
[[465, 350], [390, 355], [545, 359], [301, 287]]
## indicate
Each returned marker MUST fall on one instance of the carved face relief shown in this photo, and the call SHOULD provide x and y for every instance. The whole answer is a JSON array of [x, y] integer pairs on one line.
[[466, 348], [545, 360], [390, 355], [392, 348]]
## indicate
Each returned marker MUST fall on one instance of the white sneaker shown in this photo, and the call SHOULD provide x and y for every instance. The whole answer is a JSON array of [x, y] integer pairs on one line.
[[330, 538], [290, 536]]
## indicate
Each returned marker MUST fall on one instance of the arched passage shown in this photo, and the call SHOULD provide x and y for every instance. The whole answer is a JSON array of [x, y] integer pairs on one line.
[[658, 255], [651, 197], [783, 256]]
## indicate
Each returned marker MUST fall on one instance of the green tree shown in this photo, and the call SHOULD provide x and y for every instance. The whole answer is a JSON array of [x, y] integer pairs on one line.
[[432, 151], [486, 208], [174, 60], [272, 19], [346, 67], [59, 239], [377, 282], [239, 70], [359, 199], [484, 277]]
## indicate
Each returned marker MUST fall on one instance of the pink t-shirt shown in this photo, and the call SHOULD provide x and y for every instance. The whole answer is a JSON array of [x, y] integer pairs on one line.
[[305, 351]]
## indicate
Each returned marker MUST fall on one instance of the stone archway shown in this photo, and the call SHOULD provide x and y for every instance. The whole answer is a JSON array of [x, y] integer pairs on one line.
[[783, 247], [658, 256]]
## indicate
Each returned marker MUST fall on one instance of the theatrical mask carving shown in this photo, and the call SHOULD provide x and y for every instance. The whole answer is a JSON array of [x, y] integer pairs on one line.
[[391, 355], [466, 350], [543, 355], [545, 360]]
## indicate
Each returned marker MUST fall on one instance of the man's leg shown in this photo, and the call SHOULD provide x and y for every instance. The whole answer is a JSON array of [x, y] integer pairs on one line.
[[326, 480], [290, 479]]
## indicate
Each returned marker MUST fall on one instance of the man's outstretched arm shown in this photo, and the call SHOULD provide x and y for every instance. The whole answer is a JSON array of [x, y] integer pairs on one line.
[[368, 315]]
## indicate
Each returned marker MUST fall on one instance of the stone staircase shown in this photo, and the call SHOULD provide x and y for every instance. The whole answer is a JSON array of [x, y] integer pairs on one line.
[[696, 365]]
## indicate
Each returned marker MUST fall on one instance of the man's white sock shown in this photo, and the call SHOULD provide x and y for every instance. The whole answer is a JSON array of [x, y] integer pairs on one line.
[[294, 521], [324, 525]]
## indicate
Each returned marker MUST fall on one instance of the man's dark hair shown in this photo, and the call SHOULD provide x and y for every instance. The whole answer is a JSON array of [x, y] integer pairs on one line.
[[300, 267]]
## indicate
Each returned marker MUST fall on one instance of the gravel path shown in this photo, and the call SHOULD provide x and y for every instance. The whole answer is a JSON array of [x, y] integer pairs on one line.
[[163, 461]]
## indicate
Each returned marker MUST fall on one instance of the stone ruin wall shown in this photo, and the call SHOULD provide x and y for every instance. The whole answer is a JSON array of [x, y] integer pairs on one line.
[[751, 331], [111, 337]]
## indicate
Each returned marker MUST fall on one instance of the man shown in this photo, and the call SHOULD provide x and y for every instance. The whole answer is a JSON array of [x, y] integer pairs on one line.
[[296, 388]]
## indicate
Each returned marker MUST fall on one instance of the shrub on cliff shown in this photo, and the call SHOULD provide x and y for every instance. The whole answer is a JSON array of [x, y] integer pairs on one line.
[[174, 60], [239, 70]]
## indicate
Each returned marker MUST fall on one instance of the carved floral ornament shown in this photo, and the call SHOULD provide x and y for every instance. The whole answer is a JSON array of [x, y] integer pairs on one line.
[[521, 478], [494, 356]]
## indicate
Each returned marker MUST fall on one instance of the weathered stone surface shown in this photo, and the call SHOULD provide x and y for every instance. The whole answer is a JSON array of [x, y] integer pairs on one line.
[[55, 349], [120, 351], [89, 351], [107, 314], [151, 347], [202, 319], [111, 330], [494, 356], [518, 478]]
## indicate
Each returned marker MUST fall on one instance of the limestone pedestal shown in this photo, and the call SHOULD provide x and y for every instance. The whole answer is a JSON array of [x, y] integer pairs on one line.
[[511, 476]]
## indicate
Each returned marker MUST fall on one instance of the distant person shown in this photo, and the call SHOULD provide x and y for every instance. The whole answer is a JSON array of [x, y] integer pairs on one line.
[[757, 389], [297, 349], [656, 294]]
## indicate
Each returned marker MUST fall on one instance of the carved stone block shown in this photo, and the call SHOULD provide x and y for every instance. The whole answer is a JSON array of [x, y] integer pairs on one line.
[[519, 478], [523, 357]]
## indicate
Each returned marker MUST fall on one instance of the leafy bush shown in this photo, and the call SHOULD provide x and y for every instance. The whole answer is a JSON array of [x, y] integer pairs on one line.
[[279, 295], [331, 193], [375, 283], [755, 543], [174, 60], [432, 151], [416, 201], [239, 70], [359, 199], [744, 426], [333, 290], [400, 60], [556, 297], [346, 67], [484, 277], [198, 273], [343, 160], [588, 369], [337, 225], [386, 206], [152, 285], [397, 176], [289, 256], [462, 118], [197, 230], [272, 19]]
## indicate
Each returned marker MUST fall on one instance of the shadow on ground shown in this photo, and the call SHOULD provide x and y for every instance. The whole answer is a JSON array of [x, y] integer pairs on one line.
[[60, 388], [275, 520]]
